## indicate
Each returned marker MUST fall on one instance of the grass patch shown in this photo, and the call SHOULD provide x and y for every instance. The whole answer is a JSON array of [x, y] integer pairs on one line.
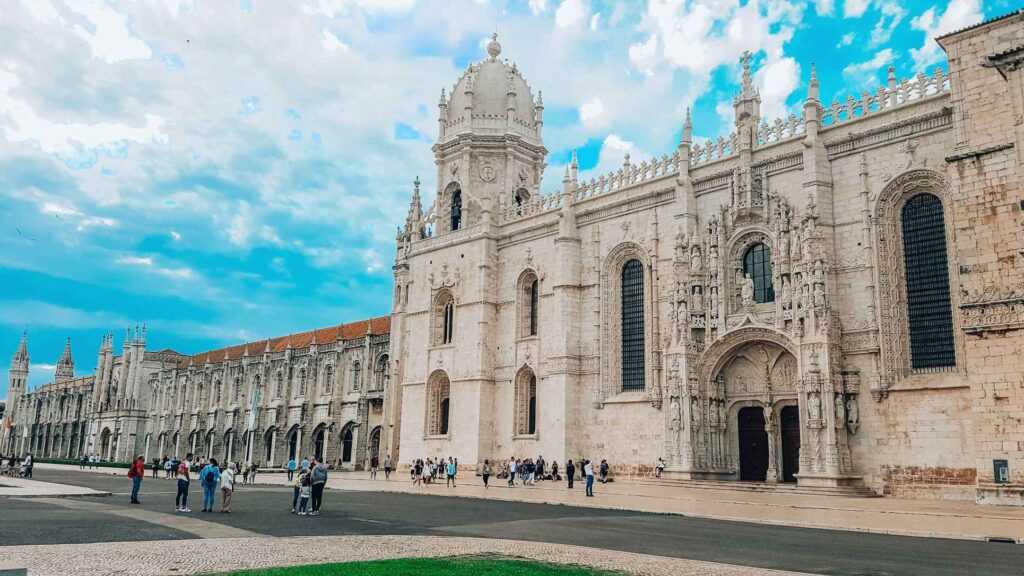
[[452, 566]]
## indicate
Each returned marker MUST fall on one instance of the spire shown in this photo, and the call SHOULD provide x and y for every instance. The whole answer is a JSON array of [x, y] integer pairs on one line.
[[19, 362], [687, 137], [415, 217], [444, 99], [66, 365], [748, 84], [812, 88], [493, 47], [574, 165]]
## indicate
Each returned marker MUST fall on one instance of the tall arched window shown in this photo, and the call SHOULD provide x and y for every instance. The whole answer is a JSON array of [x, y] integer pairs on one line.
[[529, 300], [238, 389], [757, 264], [444, 318], [278, 384], [380, 376], [300, 390], [929, 313], [456, 209], [438, 404], [346, 443], [633, 326], [526, 402], [257, 388], [328, 379], [357, 373]]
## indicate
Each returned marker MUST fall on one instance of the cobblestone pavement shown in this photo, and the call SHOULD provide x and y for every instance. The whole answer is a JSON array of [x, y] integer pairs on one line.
[[204, 556]]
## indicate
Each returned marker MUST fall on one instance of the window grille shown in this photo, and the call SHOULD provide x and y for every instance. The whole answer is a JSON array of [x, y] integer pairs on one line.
[[633, 326], [757, 263], [929, 314]]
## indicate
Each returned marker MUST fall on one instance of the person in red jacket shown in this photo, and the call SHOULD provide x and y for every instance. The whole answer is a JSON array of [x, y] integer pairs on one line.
[[136, 472]]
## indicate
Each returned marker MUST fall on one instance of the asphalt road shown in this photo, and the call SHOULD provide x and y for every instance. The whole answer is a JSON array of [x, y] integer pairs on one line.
[[265, 510]]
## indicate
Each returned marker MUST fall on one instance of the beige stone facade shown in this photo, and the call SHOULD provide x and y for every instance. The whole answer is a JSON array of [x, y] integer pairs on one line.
[[831, 298]]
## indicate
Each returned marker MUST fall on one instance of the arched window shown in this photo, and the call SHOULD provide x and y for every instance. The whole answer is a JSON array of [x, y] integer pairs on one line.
[[346, 443], [357, 373], [300, 390], [633, 326], [198, 400], [328, 379], [380, 376], [529, 300], [278, 385], [438, 404], [526, 402], [757, 264], [218, 388], [929, 313], [257, 388], [238, 389], [456, 209], [444, 318]]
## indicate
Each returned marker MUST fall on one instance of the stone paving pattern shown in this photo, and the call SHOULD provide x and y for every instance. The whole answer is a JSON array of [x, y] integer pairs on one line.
[[204, 556]]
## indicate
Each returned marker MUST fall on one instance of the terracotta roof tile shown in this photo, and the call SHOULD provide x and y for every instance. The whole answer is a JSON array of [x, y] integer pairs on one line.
[[350, 331]]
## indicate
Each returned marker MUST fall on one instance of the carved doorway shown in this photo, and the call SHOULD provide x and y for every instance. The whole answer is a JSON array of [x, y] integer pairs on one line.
[[790, 427], [753, 444]]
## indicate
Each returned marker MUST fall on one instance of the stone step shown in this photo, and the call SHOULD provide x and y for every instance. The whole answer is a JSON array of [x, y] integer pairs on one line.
[[763, 487]]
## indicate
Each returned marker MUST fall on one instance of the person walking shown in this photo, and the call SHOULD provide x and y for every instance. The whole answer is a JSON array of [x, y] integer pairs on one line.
[[291, 470], [136, 472], [227, 488], [168, 465], [374, 462], [318, 480], [296, 488], [305, 465], [451, 472], [570, 472], [659, 468], [588, 471], [511, 472], [486, 472], [252, 472], [604, 471], [156, 467], [387, 467], [28, 463], [184, 479], [83, 462], [209, 478]]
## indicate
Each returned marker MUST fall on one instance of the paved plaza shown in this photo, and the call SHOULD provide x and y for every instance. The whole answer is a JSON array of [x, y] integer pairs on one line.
[[99, 535]]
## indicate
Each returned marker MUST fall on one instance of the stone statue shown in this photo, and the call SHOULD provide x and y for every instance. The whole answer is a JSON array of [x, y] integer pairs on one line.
[[787, 295], [695, 414], [747, 291], [713, 303], [713, 414], [698, 297], [713, 259], [696, 262], [680, 246], [819, 296], [840, 411], [852, 414], [676, 424], [722, 415], [805, 297], [784, 247], [813, 406]]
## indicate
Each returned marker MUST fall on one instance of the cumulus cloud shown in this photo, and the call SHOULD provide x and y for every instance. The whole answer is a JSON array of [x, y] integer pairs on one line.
[[538, 6], [864, 74], [592, 113], [824, 7], [571, 13], [855, 8], [891, 16], [958, 14]]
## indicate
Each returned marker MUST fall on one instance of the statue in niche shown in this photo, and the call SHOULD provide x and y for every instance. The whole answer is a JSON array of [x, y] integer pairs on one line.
[[805, 297], [721, 413], [840, 411], [695, 414], [676, 424], [747, 291], [680, 246], [698, 297], [696, 262], [713, 302], [819, 296], [852, 414], [713, 259], [783, 247], [819, 274], [713, 414], [813, 406], [787, 294]]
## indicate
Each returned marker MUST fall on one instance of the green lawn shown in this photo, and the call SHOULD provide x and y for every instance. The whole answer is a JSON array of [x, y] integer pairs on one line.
[[459, 566]]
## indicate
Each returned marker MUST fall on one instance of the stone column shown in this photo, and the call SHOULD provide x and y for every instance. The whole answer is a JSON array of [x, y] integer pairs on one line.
[[769, 420], [273, 447]]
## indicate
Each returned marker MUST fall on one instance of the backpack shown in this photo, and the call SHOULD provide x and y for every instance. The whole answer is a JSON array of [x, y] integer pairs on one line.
[[209, 479]]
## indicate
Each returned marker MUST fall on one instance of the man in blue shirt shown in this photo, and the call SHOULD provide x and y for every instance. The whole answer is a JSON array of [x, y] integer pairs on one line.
[[452, 468], [209, 478], [291, 468]]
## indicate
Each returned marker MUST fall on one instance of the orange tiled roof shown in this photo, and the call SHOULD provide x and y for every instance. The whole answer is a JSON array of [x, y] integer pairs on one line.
[[350, 331]]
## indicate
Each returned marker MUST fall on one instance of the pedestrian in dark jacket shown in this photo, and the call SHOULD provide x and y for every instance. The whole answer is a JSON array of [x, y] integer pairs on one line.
[[570, 472]]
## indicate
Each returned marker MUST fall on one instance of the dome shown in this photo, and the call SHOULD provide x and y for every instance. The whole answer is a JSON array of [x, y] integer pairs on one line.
[[484, 88]]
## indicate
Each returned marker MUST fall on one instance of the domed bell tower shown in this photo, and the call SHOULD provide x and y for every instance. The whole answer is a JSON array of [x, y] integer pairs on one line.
[[489, 151]]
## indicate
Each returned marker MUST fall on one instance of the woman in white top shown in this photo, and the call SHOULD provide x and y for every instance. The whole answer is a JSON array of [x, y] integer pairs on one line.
[[227, 488]]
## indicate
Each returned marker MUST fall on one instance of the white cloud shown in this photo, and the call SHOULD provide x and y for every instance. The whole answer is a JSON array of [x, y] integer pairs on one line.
[[824, 7], [866, 73], [846, 39], [147, 263], [726, 113], [175, 235], [538, 6], [958, 14], [335, 8], [35, 313], [136, 261], [613, 153], [107, 34], [592, 113], [372, 260], [595, 21], [571, 13], [892, 15], [855, 8], [333, 43], [777, 79]]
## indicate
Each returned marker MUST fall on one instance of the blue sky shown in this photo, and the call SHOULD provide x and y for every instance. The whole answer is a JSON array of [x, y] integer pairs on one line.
[[225, 171]]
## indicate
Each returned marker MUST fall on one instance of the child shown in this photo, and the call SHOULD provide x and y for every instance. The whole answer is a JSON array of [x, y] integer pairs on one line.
[[304, 492]]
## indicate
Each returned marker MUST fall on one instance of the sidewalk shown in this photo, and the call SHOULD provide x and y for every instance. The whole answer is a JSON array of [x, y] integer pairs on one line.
[[930, 518], [27, 488]]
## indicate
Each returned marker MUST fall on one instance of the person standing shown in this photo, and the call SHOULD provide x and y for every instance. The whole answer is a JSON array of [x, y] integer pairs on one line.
[[374, 462], [451, 472], [659, 468], [604, 471], [291, 470], [305, 465], [227, 489], [156, 467], [28, 465], [209, 478], [184, 479], [570, 472], [83, 462], [304, 492], [136, 472], [511, 472], [387, 467], [318, 480], [296, 488], [252, 472], [588, 471], [486, 472]]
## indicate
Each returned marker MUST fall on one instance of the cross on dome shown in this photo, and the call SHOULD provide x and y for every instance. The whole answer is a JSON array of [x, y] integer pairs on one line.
[[493, 47]]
